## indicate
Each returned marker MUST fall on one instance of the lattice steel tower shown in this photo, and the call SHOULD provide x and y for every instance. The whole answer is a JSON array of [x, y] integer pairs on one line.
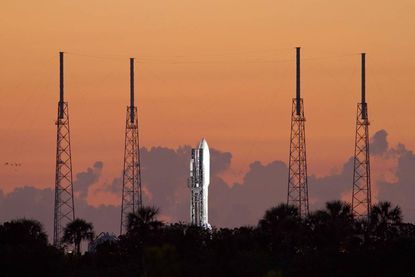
[[361, 197], [131, 182], [297, 168], [64, 211]]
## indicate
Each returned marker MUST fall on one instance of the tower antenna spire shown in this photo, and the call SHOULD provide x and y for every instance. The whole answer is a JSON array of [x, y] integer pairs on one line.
[[298, 80], [131, 90], [364, 106], [297, 169], [61, 85], [64, 210]]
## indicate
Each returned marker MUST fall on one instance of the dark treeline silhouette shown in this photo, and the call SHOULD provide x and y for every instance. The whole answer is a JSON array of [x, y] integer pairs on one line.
[[329, 242]]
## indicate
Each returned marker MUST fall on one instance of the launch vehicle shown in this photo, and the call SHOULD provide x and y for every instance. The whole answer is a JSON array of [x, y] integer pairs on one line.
[[199, 184]]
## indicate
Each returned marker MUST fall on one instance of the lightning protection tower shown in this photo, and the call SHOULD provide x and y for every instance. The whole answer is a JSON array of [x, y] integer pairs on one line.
[[297, 168], [131, 182], [64, 211], [361, 197]]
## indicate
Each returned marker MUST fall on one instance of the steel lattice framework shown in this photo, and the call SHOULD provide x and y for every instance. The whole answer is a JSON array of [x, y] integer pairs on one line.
[[131, 188], [297, 170], [361, 196], [64, 211], [297, 165]]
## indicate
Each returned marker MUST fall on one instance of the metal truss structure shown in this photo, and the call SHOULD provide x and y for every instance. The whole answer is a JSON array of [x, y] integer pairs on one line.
[[131, 187], [297, 168], [64, 210], [361, 196], [297, 165]]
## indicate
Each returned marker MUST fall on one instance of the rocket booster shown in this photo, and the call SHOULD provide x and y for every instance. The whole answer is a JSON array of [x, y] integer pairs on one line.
[[199, 181]]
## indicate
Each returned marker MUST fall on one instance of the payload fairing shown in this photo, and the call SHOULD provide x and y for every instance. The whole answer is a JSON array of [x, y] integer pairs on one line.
[[199, 184]]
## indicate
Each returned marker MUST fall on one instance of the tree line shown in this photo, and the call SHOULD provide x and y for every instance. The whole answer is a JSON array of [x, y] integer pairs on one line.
[[328, 242]]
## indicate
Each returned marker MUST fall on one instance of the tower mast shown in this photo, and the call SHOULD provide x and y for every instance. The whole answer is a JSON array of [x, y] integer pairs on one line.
[[64, 210], [297, 168], [131, 187], [361, 196]]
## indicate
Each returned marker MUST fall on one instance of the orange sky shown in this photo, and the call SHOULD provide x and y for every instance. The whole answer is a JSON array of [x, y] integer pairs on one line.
[[222, 69]]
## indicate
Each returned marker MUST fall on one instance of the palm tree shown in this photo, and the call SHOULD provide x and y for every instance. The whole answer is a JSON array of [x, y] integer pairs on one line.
[[140, 226], [77, 231], [281, 229], [384, 220], [144, 220], [333, 227], [276, 216], [339, 210]]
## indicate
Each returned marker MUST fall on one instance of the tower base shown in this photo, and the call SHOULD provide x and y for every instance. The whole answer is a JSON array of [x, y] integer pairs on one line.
[[361, 195], [297, 168], [131, 182]]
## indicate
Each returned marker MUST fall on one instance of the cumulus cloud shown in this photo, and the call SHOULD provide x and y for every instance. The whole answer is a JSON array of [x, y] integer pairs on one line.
[[28, 202], [114, 187], [31, 202], [401, 190], [379, 143], [330, 187], [263, 186], [85, 179], [165, 172]]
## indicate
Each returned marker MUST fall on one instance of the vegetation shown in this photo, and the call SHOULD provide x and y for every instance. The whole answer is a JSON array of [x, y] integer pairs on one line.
[[77, 231], [329, 242]]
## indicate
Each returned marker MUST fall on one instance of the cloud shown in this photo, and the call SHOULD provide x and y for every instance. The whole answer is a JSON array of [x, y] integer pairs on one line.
[[165, 172], [263, 186], [114, 187], [330, 187], [31, 202], [28, 202], [402, 189], [379, 143], [85, 179], [165, 179]]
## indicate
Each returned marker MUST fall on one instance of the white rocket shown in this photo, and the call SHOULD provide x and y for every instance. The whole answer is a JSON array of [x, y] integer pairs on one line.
[[199, 184]]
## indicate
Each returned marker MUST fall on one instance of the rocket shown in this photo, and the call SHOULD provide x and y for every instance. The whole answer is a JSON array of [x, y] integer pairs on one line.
[[199, 184]]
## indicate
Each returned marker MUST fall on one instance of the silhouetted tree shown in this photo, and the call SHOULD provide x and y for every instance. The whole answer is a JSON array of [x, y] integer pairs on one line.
[[143, 227], [276, 217], [385, 221], [144, 219], [24, 250], [282, 230], [333, 228], [143, 223], [24, 232], [328, 242], [77, 231]]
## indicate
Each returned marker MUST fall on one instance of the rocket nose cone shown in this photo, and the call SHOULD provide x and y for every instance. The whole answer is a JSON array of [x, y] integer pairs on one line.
[[203, 144]]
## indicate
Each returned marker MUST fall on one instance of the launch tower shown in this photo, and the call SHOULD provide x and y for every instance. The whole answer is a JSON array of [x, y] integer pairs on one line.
[[64, 210], [297, 169], [361, 197], [131, 182]]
